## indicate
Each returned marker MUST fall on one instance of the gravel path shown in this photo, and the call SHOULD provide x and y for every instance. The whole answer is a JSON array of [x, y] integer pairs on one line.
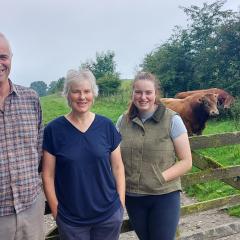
[[190, 225]]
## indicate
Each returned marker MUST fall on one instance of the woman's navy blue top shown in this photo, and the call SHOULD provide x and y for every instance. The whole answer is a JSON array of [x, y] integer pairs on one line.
[[84, 182]]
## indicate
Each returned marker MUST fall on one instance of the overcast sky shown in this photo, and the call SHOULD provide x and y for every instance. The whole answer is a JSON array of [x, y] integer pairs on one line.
[[49, 37]]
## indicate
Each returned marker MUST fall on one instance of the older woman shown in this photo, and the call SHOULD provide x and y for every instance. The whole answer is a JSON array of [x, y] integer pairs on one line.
[[152, 137], [83, 173]]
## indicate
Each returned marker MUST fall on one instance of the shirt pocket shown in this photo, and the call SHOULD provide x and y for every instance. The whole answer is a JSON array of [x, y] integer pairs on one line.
[[27, 128]]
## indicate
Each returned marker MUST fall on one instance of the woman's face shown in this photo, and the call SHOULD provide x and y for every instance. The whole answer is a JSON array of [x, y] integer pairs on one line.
[[144, 95], [80, 96]]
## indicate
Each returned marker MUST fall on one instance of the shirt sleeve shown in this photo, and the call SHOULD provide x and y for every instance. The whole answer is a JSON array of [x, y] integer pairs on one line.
[[40, 135], [118, 123], [115, 137], [177, 127], [48, 144]]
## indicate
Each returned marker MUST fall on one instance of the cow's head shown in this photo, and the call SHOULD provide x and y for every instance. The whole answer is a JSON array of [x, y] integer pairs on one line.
[[209, 102]]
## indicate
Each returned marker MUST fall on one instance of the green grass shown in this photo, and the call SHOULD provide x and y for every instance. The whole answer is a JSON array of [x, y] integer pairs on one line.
[[53, 106], [126, 84], [216, 126], [227, 156], [112, 106]]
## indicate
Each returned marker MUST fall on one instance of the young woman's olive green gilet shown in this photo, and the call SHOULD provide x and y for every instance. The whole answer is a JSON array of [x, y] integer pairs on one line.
[[147, 150]]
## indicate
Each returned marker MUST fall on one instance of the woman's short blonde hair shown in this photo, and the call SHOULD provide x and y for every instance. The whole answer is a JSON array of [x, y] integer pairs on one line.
[[76, 76]]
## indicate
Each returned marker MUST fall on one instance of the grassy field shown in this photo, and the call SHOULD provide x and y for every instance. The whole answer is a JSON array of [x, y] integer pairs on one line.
[[113, 106]]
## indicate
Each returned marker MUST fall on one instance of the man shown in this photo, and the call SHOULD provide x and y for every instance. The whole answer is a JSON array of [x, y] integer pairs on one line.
[[21, 197]]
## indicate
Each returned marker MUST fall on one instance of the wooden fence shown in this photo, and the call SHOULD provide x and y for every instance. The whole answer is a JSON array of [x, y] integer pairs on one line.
[[211, 170]]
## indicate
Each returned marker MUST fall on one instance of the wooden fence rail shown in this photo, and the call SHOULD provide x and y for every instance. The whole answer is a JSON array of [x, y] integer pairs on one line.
[[211, 170], [210, 175], [214, 140]]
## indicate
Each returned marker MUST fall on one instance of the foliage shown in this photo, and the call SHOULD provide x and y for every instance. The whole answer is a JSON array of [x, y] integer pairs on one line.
[[52, 87], [204, 54], [232, 113], [56, 86], [173, 66], [40, 87], [108, 84], [235, 113], [235, 211], [103, 64], [104, 69]]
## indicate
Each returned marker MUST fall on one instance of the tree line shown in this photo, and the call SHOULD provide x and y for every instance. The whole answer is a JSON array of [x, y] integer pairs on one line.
[[103, 68], [204, 54]]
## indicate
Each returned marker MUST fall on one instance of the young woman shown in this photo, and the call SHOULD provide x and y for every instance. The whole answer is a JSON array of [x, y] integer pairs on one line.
[[152, 137], [83, 173]]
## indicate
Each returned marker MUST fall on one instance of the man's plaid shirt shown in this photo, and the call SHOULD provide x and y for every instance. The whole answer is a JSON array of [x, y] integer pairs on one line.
[[20, 150]]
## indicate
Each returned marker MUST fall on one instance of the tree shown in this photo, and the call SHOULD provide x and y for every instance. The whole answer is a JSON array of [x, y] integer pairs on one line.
[[52, 87], [103, 64], [172, 64], [104, 69], [204, 54], [204, 36], [109, 84], [228, 56], [56, 86], [40, 87]]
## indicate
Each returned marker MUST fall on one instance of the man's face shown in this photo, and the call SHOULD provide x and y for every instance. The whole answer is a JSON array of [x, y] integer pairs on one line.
[[5, 60]]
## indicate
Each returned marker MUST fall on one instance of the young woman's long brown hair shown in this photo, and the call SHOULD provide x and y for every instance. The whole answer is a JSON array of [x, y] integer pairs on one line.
[[144, 76]]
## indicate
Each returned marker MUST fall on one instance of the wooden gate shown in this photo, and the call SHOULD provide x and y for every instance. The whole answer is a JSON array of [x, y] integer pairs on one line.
[[210, 170]]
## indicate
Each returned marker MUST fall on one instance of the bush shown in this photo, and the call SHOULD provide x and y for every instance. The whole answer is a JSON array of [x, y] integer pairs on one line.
[[109, 84], [235, 113]]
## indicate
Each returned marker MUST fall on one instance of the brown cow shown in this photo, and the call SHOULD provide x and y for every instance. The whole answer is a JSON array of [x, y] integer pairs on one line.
[[194, 110], [224, 98]]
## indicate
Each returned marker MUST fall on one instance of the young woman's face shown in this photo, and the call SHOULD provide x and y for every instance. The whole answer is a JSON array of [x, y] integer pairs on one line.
[[81, 96], [144, 95]]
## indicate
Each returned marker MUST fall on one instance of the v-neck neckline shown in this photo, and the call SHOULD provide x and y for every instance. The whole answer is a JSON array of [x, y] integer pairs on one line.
[[77, 129]]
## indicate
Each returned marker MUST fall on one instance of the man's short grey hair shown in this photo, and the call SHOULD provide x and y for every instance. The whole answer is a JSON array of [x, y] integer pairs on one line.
[[9, 47], [76, 76]]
